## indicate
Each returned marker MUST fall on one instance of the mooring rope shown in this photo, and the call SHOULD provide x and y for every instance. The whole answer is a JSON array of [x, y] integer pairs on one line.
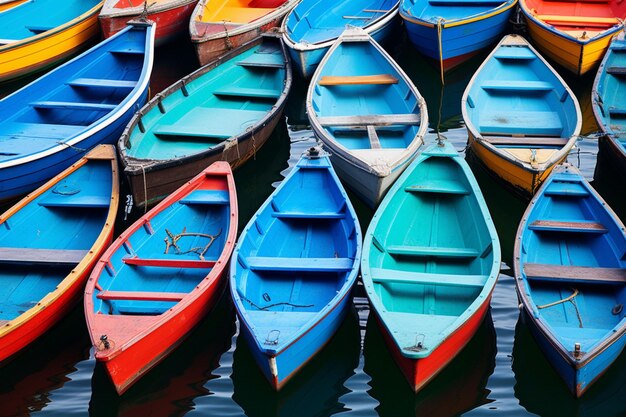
[[200, 250], [571, 299]]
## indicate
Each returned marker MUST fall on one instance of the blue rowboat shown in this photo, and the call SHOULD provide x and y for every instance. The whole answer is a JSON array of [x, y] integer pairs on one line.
[[609, 104], [224, 111], [53, 121], [521, 117], [452, 31], [293, 268], [49, 242], [367, 112], [430, 263], [570, 272], [311, 28]]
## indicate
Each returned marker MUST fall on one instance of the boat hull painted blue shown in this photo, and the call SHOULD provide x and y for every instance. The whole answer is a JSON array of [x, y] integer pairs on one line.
[[65, 113]]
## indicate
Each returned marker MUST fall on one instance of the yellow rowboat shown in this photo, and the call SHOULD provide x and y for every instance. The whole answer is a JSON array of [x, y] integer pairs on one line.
[[521, 117], [49, 242], [575, 34], [217, 26], [7, 4], [39, 34]]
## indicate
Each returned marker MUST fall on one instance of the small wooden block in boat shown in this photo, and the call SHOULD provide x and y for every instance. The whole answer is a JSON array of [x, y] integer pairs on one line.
[[371, 120], [373, 137], [579, 273], [559, 226], [140, 296], [438, 187], [358, 79], [616, 70], [439, 252], [395, 276], [42, 256], [3, 322], [300, 264], [168, 263], [206, 197], [525, 141], [582, 20]]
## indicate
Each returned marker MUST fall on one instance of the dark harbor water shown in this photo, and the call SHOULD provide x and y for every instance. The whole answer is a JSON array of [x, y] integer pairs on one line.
[[501, 371]]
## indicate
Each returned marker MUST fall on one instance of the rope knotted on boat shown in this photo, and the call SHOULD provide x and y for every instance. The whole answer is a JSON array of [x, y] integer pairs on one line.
[[571, 299], [200, 250]]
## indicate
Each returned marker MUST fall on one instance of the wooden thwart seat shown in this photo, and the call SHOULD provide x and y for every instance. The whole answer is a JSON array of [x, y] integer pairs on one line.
[[373, 137], [371, 120], [128, 51], [308, 215], [517, 85], [570, 226], [102, 83], [377, 79], [235, 91], [438, 252], [68, 105], [140, 296], [299, 264], [206, 197], [547, 272], [263, 61], [77, 200], [438, 187], [381, 275], [42, 256], [582, 20], [525, 141], [616, 70], [566, 189], [168, 262]]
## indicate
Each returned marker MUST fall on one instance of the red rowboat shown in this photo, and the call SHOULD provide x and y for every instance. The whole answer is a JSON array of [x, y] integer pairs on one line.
[[144, 295], [171, 16]]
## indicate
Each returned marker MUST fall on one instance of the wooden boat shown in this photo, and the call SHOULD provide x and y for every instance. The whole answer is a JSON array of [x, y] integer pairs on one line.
[[431, 258], [452, 31], [49, 124], [9, 4], [311, 28], [224, 111], [367, 112], [293, 268], [609, 105], [40, 34], [575, 34], [49, 242], [171, 16], [570, 274], [521, 117], [141, 301], [218, 26]]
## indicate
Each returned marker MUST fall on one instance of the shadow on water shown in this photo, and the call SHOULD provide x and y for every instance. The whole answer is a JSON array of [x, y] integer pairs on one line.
[[541, 391], [314, 391], [458, 388], [28, 380], [171, 387]]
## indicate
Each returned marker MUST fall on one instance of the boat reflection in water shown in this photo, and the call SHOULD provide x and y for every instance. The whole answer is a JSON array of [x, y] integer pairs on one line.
[[540, 390], [313, 391], [172, 386], [459, 387], [28, 380]]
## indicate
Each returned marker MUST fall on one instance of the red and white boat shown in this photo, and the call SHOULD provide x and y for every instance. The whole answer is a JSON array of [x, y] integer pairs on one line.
[[162, 276], [171, 16]]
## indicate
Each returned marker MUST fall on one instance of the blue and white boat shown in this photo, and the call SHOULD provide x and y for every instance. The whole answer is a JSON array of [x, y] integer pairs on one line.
[[452, 31], [53, 121], [313, 26], [367, 112], [570, 270], [293, 268]]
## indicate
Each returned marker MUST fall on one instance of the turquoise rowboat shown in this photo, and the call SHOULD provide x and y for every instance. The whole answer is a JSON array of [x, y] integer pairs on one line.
[[609, 105], [570, 270], [224, 111], [431, 258], [368, 114]]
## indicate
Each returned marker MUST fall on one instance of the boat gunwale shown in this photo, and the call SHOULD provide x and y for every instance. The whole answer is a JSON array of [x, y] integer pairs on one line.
[[494, 11], [486, 291], [300, 46], [105, 121], [221, 169], [521, 285], [100, 243], [500, 152], [139, 166], [339, 150], [341, 294], [111, 12]]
